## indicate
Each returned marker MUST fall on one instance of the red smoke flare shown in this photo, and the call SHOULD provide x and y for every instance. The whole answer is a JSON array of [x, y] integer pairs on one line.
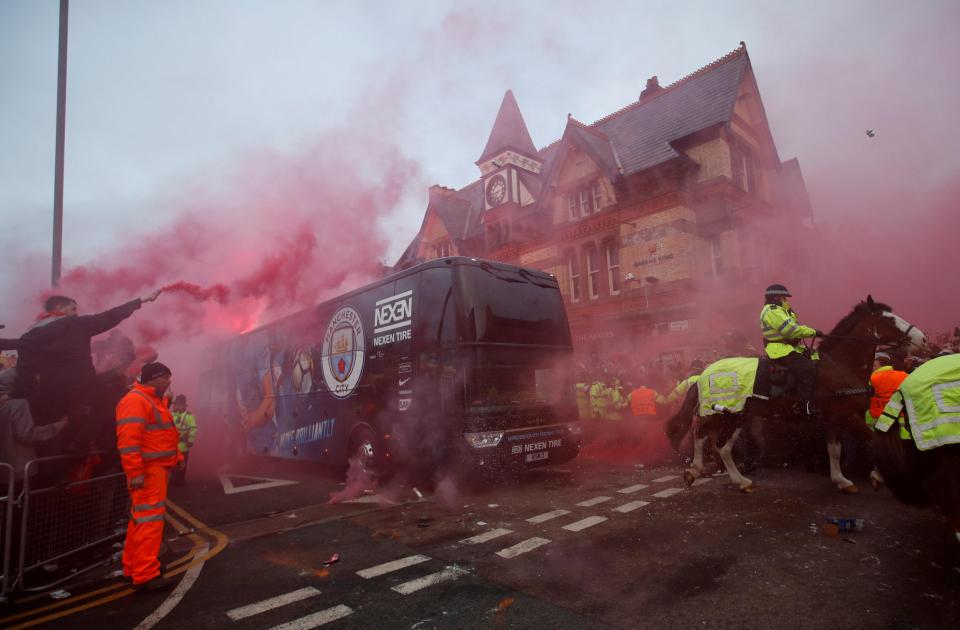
[[218, 292]]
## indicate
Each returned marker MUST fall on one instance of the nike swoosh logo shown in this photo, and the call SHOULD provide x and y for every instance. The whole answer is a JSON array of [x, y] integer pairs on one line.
[[403, 381]]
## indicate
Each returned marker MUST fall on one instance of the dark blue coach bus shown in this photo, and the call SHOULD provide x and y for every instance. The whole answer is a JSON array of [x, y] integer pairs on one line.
[[457, 359]]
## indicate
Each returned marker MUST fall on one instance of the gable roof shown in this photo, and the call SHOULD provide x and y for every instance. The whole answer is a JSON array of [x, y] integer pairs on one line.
[[509, 131], [592, 142], [634, 138]]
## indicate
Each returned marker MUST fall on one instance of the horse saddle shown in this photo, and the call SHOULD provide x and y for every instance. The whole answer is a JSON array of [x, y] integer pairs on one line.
[[774, 380]]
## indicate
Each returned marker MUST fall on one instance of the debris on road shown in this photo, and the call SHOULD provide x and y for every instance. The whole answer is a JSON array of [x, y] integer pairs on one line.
[[505, 603], [871, 133], [333, 560], [418, 493], [830, 530], [59, 594], [847, 524]]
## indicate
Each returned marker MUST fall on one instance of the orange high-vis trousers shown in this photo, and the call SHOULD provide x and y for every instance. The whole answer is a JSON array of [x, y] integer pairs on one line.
[[145, 529]]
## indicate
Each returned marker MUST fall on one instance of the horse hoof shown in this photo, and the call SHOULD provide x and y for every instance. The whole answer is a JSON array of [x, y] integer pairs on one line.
[[851, 489], [689, 476], [750, 489]]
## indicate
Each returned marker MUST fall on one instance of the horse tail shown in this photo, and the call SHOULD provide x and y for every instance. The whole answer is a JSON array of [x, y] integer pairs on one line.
[[899, 462], [679, 423]]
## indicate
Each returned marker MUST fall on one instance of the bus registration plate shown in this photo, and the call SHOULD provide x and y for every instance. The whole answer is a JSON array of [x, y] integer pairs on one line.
[[536, 457]]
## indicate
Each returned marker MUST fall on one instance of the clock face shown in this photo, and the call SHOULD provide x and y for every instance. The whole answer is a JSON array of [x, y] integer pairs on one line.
[[496, 190]]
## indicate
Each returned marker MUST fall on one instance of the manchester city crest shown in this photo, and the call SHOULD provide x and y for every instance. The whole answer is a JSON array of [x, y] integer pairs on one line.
[[343, 352]]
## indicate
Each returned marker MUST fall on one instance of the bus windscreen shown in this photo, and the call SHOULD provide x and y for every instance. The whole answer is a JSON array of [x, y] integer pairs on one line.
[[511, 306]]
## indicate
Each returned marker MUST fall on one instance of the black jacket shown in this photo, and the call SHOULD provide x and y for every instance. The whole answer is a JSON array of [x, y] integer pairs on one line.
[[58, 353]]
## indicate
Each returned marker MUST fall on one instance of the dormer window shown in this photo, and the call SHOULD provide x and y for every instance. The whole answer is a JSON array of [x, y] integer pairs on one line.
[[595, 189], [572, 210]]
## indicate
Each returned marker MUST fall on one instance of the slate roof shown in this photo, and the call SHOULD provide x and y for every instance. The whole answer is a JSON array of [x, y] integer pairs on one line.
[[634, 138], [641, 132]]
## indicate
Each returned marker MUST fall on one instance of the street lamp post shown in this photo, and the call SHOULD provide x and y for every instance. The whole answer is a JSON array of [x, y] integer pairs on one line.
[[58, 159]]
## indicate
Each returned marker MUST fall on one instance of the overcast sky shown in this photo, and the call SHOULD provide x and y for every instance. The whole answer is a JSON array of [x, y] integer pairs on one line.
[[165, 96]]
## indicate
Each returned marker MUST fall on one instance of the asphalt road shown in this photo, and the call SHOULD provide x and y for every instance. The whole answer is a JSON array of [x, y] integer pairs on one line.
[[590, 544]]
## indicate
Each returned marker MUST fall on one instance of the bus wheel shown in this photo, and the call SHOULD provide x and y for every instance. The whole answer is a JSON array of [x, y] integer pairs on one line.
[[363, 449]]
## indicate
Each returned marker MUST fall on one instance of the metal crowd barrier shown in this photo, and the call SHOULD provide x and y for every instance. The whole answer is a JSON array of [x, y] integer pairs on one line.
[[7, 513], [61, 518]]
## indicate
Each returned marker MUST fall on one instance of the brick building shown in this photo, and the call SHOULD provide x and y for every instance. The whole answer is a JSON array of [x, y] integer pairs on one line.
[[662, 221]]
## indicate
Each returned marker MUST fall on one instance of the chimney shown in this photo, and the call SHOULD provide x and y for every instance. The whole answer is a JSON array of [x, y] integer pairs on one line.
[[653, 88], [436, 191]]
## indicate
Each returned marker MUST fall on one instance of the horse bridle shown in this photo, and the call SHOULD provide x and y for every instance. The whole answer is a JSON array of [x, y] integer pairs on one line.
[[903, 339]]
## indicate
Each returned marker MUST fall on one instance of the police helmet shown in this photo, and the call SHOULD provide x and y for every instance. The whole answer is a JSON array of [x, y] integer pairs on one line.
[[776, 290]]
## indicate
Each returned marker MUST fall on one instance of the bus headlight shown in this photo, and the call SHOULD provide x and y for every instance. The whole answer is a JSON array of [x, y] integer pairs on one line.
[[484, 439]]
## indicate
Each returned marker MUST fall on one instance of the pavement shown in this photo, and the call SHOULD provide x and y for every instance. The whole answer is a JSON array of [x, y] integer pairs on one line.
[[591, 544]]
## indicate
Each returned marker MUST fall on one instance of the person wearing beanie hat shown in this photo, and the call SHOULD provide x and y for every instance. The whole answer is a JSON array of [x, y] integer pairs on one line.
[[151, 371], [148, 442]]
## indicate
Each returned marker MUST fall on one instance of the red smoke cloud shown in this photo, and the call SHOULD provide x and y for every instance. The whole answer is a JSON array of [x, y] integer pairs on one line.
[[276, 234]]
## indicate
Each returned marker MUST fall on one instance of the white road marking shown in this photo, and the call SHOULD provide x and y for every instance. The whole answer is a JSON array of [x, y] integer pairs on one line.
[[669, 492], [582, 524], [593, 501], [523, 547], [265, 483], [316, 619], [630, 507], [174, 598], [702, 480], [485, 536], [632, 489], [390, 567], [274, 602], [370, 498], [546, 516], [448, 574], [665, 478]]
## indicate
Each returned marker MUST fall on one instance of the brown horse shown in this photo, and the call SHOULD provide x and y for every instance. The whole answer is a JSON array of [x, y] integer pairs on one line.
[[846, 359]]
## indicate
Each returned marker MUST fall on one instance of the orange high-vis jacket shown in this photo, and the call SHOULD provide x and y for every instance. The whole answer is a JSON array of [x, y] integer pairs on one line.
[[146, 434], [643, 401], [884, 381]]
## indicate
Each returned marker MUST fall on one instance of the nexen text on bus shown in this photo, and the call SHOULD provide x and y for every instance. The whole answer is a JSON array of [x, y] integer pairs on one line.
[[393, 312], [400, 335]]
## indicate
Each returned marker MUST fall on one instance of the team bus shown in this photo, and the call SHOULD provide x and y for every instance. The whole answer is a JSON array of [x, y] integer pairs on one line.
[[455, 360]]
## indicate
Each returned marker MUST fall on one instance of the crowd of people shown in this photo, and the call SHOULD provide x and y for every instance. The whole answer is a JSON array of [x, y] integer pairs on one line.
[[106, 403]]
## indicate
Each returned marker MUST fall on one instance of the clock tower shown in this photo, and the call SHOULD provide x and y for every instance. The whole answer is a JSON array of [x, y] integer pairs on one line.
[[510, 164]]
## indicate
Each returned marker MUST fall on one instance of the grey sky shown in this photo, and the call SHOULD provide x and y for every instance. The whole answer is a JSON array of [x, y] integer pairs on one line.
[[167, 95]]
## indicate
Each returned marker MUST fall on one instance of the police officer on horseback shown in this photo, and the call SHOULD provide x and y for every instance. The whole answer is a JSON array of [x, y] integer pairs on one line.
[[782, 335]]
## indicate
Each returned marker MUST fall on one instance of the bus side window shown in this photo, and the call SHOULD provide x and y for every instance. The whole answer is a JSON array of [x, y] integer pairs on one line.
[[435, 285]]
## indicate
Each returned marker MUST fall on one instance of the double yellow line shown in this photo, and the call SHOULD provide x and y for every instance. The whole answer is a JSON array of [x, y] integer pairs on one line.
[[116, 591]]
